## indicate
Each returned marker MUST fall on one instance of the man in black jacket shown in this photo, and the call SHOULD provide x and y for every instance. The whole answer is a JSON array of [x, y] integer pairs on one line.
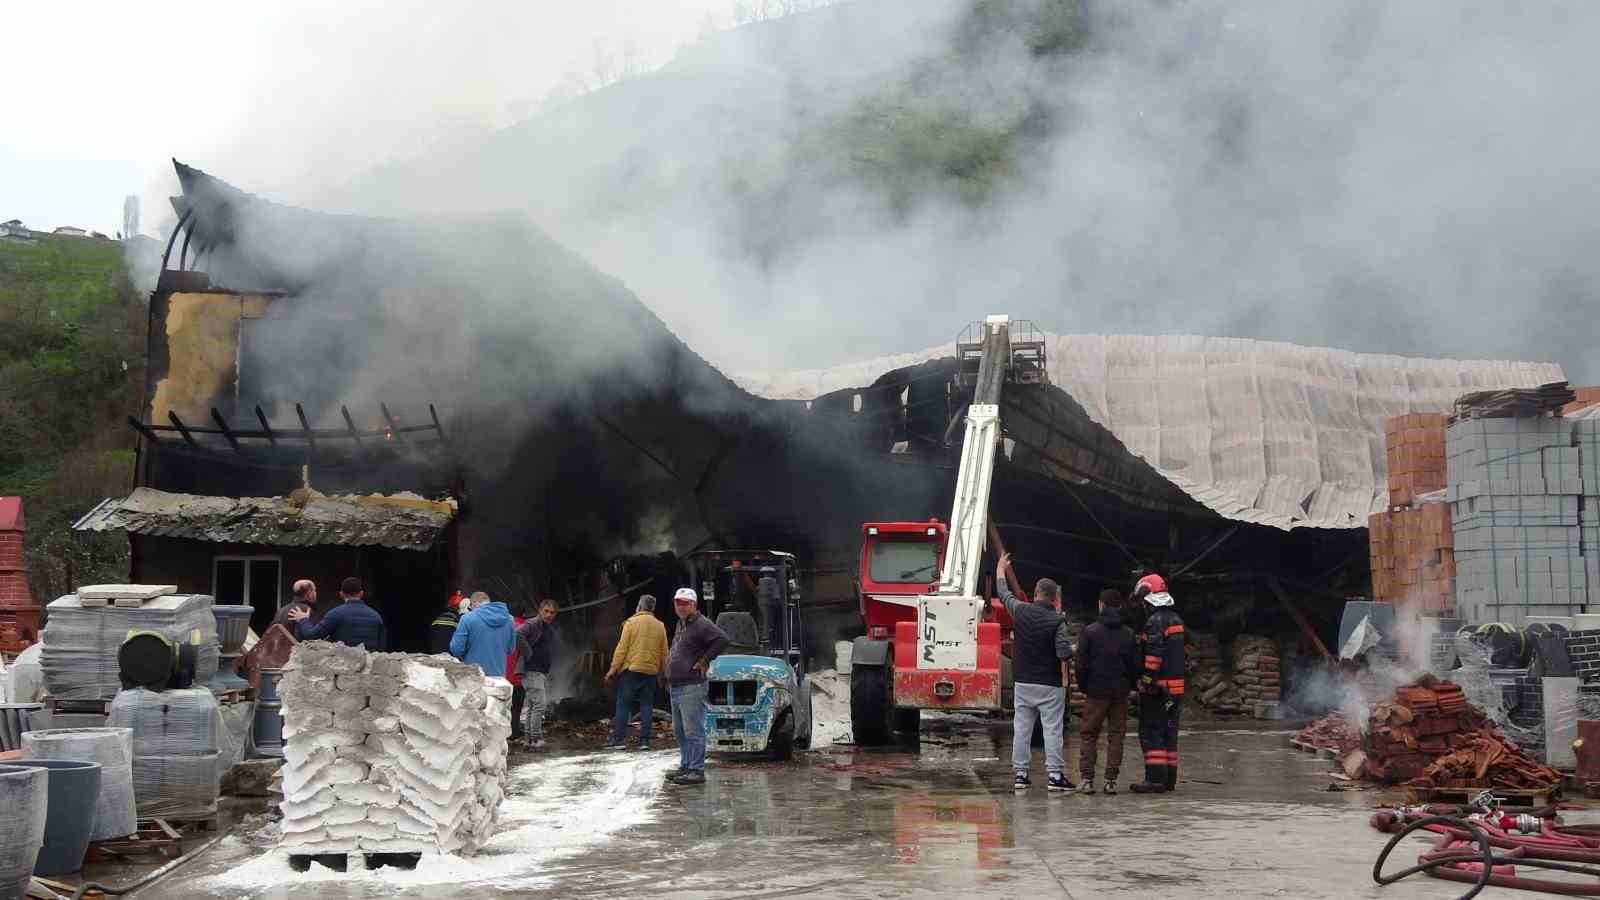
[[1107, 664], [1041, 651]]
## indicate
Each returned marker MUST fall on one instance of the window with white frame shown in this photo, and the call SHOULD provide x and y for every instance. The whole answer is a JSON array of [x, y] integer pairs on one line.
[[249, 581]]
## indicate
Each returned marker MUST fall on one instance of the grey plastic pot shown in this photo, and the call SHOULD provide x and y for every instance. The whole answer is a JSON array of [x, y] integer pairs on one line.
[[25, 797], [74, 795]]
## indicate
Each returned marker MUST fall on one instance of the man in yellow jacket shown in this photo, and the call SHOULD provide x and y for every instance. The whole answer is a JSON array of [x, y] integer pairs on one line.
[[640, 654]]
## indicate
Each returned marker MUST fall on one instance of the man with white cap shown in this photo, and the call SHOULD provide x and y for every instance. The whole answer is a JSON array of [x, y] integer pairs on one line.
[[695, 644]]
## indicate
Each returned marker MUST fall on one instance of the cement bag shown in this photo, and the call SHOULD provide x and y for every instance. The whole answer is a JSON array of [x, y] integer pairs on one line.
[[112, 748], [176, 787], [169, 723]]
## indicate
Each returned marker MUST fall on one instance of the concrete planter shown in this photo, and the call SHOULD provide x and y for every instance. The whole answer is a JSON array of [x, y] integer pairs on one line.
[[112, 748], [74, 794], [25, 796]]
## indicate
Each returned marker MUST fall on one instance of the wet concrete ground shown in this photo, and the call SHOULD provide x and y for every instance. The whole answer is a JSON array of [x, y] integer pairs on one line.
[[1252, 818]]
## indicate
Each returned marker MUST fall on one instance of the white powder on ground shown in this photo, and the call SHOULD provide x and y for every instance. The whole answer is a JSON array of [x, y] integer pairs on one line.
[[553, 809], [830, 708]]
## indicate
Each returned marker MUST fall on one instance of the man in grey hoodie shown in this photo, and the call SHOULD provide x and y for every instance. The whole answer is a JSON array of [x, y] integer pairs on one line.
[[695, 644]]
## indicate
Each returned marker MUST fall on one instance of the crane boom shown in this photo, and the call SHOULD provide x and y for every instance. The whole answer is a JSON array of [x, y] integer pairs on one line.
[[947, 619]]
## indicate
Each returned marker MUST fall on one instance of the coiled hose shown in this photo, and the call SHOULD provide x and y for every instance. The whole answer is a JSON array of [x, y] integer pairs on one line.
[[1443, 862]]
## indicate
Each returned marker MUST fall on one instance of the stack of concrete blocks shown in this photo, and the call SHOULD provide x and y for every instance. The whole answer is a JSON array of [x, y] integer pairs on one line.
[[1515, 491], [1586, 442], [390, 752]]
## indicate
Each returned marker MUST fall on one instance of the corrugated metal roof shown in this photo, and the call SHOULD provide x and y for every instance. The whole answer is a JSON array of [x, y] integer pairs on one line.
[[402, 522], [1258, 431]]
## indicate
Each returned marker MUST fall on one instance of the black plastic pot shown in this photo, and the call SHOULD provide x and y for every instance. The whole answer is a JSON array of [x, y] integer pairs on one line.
[[25, 797], [74, 792]]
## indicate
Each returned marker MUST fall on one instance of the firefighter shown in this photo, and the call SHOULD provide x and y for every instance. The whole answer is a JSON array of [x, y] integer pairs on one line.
[[1160, 687]]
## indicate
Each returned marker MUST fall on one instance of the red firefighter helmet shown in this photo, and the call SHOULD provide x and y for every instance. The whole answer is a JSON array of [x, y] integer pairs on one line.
[[1150, 584]]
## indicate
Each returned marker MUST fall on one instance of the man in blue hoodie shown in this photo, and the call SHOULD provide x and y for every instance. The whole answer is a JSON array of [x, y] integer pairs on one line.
[[485, 636]]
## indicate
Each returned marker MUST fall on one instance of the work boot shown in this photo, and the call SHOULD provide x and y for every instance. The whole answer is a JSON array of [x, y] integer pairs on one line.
[[1172, 778], [689, 778], [1155, 781], [1087, 786], [674, 773]]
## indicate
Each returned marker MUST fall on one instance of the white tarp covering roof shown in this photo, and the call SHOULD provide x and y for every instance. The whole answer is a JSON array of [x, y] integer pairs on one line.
[[1259, 431]]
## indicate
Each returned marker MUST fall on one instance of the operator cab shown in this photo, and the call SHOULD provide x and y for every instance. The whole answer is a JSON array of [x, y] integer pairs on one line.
[[758, 699]]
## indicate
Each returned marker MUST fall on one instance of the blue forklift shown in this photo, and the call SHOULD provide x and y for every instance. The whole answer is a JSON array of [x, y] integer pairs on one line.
[[758, 700]]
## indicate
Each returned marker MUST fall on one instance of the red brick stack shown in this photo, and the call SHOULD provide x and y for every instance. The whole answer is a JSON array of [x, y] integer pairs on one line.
[[1415, 447], [1412, 547], [19, 615], [1587, 397], [1413, 557]]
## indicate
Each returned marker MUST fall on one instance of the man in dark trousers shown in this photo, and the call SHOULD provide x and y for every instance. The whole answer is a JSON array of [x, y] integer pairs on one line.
[[352, 622], [1108, 663], [694, 645], [539, 636], [1160, 687], [1041, 651]]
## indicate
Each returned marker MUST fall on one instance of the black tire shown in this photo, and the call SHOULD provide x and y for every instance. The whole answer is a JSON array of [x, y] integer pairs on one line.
[[871, 706], [781, 744]]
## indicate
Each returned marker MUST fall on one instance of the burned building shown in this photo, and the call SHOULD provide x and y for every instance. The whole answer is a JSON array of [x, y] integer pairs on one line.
[[478, 365]]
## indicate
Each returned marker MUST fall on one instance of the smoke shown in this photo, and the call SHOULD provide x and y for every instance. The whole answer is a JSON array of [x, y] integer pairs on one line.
[[868, 177]]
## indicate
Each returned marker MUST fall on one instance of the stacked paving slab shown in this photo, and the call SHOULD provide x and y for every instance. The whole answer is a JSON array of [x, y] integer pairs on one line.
[[390, 752], [1516, 491]]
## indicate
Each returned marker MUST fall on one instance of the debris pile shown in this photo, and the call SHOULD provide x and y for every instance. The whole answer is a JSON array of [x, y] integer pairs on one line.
[[1485, 759], [390, 752], [1429, 735], [1332, 732]]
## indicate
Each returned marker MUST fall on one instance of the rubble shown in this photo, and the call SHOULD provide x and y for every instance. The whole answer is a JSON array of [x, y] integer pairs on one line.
[[390, 752], [1429, 735], [1331, 732]]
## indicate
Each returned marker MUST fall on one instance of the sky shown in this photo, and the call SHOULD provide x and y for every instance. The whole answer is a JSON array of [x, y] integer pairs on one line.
[[114, 89]]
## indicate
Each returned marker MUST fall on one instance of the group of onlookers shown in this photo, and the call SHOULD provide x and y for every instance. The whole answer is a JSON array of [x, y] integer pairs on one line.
[[475, 629]]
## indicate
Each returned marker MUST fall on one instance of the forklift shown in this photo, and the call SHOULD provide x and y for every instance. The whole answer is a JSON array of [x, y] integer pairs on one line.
[[758, 700]]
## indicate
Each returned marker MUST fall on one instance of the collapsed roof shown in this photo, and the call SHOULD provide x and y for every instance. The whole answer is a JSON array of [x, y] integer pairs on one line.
[[1264, 432], [1269, 433], [400, 522]]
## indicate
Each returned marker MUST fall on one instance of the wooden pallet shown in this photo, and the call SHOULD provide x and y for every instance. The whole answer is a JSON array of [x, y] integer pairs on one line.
[[343, 862], [154, 836], [1511, 797], [1324, 752], [67, 706]]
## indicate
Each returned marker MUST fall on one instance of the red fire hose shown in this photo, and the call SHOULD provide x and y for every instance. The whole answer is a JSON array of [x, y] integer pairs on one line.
[[1465, 851]]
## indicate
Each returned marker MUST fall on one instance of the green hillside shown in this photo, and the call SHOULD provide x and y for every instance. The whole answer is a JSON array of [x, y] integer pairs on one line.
[[71, 360]]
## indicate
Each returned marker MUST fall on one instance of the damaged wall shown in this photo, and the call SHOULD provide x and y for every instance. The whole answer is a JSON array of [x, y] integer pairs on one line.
[[194, 353]]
